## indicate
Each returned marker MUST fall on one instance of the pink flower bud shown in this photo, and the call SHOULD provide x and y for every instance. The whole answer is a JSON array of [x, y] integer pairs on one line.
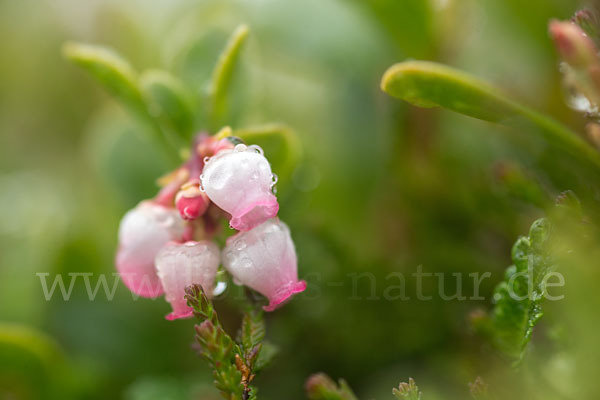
[[144, 230], [575, 47], [240, 181], [264, 259], [181, 265], [190, 201]]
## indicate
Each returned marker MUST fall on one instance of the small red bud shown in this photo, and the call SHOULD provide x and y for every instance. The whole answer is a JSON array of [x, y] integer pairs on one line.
[[191, 201]]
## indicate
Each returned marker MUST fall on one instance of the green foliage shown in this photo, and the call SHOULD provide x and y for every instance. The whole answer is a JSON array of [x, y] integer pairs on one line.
[[428, 84], [169, 100], [234, 364], [222, 75], [321, 387], [111, 70], [407, 391], [120, 79], [518, 299]]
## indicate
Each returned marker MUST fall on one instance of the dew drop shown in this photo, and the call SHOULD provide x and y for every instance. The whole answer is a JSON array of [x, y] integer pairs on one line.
[[240, 245], [219, 289], [257, 149], [206, 160], [240, 147]]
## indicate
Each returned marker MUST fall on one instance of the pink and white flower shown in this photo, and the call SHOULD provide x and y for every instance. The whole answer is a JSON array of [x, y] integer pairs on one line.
[[182, 264], [240, 182], [144, 230], [264, 259]]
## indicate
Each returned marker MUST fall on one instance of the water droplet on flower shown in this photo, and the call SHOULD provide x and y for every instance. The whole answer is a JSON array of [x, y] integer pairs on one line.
[[206, 160], [246, 263], [219, 289], [240, 147], [256, 148], [240, 245]]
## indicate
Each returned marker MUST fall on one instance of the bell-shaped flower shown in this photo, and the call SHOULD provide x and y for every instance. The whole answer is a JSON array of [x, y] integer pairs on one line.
[[191, 201], [182, 264], [144, 230], [264, 259], [240, 182]]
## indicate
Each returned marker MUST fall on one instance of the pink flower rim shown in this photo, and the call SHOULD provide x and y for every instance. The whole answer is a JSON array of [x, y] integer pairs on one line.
[[255, 214], [284, 293], [181, 315]]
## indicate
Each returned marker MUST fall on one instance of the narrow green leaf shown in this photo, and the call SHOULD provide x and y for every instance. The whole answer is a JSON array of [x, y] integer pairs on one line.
[[252, 331], [170, 102], [279, 141], [111, 70], [428, 84], [120, 79], [223, 72], [268, 352]]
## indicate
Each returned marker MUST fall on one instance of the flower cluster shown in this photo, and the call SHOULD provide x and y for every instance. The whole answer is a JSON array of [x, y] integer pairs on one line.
[[165, 243]]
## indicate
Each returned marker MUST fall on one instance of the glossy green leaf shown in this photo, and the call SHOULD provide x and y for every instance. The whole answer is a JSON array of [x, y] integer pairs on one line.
[[223, 73], [428, 84], [170, 102], [279, 142]]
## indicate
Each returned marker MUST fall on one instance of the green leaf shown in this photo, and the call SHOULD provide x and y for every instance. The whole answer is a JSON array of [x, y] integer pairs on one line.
[[253, 330], [223, 73], [279, 141], [111, 70], [268, 352], [518, 299], [407, 391], [120, 79], [428, 84], [321, 387], [218, 348], [170, 102]]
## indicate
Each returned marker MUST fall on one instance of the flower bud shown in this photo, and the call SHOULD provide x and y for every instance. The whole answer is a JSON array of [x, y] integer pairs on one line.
[[264, 259], [191, 201], [180, 265], [240, 181], [144, 230], [575, 47]]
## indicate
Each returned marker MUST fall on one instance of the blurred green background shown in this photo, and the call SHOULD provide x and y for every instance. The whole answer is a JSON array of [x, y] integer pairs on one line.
[[382, 187]]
